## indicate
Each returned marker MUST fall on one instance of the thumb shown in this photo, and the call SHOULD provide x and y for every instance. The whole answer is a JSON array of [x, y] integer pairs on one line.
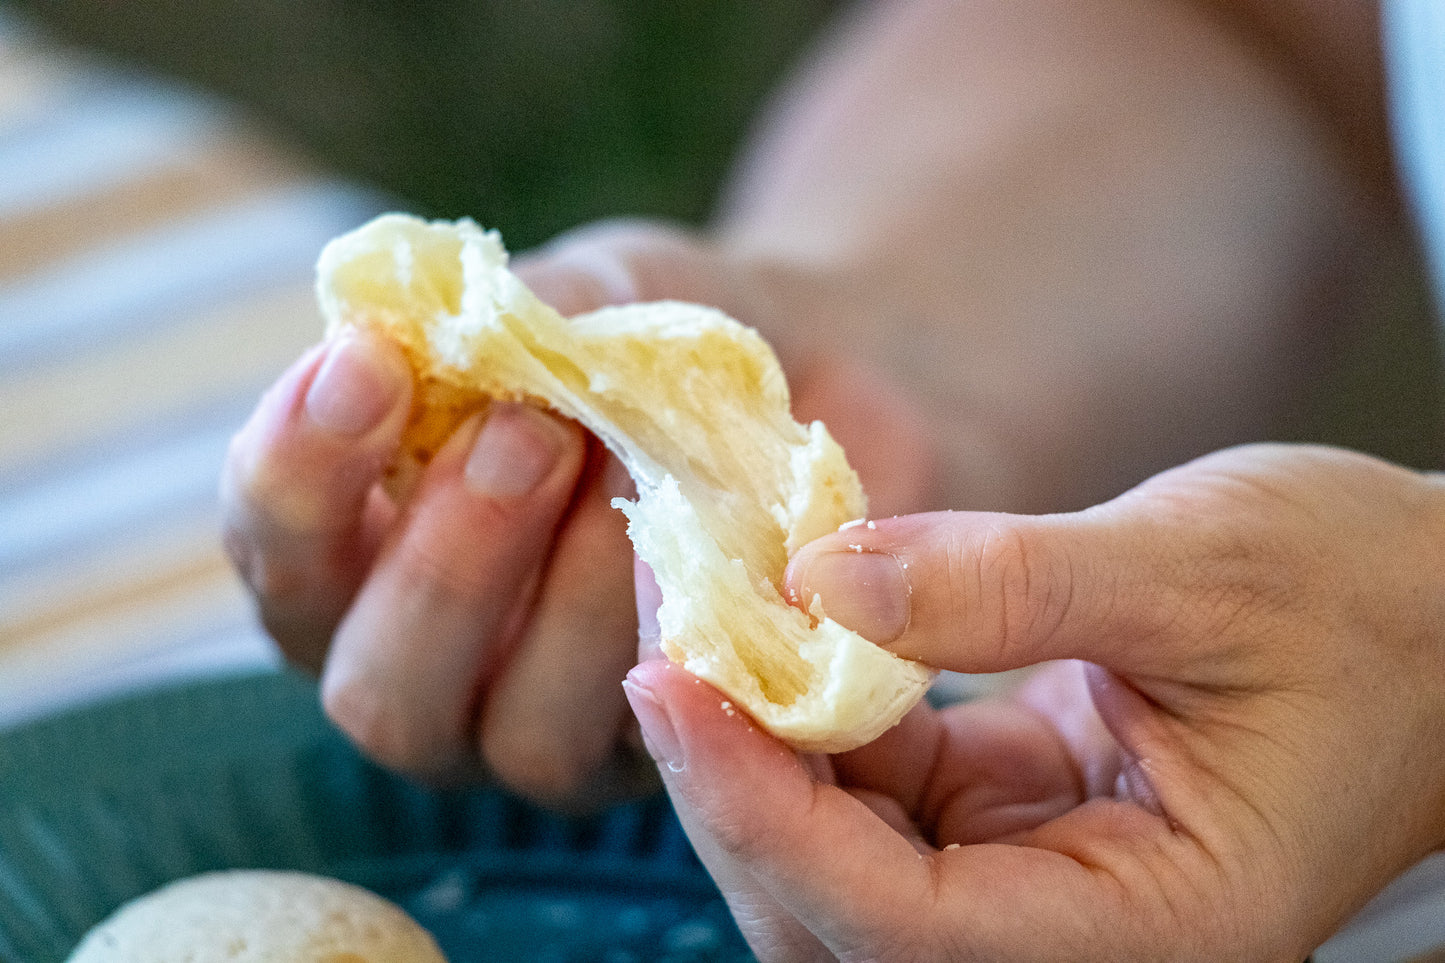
[[986, 592]]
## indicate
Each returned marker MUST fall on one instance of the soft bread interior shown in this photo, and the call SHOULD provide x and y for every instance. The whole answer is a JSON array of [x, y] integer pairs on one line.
[[696, 407], [258, 916]]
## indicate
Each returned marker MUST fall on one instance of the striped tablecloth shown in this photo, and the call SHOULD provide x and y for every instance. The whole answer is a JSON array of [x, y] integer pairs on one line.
[[156, 259]]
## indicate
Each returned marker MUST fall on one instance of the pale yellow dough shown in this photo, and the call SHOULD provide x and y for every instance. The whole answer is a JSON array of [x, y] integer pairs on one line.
[[696, 407], [258, 916]]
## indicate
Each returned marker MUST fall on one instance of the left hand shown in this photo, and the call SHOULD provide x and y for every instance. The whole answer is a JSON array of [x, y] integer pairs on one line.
[[483, 627], [1249, 748]]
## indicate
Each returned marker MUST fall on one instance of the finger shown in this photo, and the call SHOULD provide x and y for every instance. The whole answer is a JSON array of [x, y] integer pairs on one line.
[[983, 592], [771, 928], [976, 772], [577, 281], [774, 837], [621, 262], [448, 591], [298, 480], [1117, 587], [554, 721], [752, 808], [990, 770]]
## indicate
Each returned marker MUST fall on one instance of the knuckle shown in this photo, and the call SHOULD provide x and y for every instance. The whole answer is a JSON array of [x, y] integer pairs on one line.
[[265, 510], [1022, 590], [373, 724], [290, 488], [628, 237], [555, 739], [277, 582], [740, 835], [445, 566], [739, 829], [278, 502], [537, 763], [625, 260], [290, 551], [460, 546]]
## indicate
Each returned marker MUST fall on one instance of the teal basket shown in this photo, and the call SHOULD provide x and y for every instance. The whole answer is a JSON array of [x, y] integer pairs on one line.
[[105, 804]]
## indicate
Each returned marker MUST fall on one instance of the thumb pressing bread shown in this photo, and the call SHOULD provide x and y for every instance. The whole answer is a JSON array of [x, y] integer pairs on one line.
[[695, 406]]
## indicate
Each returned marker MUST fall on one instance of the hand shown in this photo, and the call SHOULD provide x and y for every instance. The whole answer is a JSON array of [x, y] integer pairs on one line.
[[486, 624], [1249, 751], [489, 620]]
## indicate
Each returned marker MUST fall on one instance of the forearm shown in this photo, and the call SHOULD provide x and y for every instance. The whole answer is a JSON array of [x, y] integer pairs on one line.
[[1091, 238]]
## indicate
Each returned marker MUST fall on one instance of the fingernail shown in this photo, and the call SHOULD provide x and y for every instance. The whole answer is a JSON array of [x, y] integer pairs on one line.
[[658, 733], [515, 452], [864, 591], [355, 388]]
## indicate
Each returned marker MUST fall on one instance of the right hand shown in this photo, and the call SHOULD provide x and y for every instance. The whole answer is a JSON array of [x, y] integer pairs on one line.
[[486, 625], [1246, 752]]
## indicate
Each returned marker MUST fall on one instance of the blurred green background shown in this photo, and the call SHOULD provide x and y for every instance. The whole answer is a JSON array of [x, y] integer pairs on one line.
[[530, 115], [534, 116]]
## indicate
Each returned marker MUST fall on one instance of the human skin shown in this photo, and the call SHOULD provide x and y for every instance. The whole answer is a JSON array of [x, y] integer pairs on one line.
[[1246, 750], [1018, 256]]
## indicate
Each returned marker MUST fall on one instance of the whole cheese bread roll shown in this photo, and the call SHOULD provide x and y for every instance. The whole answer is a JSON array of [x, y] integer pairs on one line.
[[258, 916], [696, 407]]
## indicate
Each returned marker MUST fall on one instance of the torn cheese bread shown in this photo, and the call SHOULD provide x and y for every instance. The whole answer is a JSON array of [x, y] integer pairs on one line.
[[696, 407]]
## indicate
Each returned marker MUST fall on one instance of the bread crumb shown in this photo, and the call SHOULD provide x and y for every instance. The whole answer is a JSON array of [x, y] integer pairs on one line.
[[953, 846], [852, 524], [856, 548], [872, 525], [728, 708]]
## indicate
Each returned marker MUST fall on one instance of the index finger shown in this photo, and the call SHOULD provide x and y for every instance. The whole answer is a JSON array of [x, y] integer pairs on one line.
[[752, 806], [298, 485]]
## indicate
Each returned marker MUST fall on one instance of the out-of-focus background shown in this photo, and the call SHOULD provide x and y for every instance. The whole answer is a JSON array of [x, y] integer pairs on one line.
[[532, 116], [169, 170]]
